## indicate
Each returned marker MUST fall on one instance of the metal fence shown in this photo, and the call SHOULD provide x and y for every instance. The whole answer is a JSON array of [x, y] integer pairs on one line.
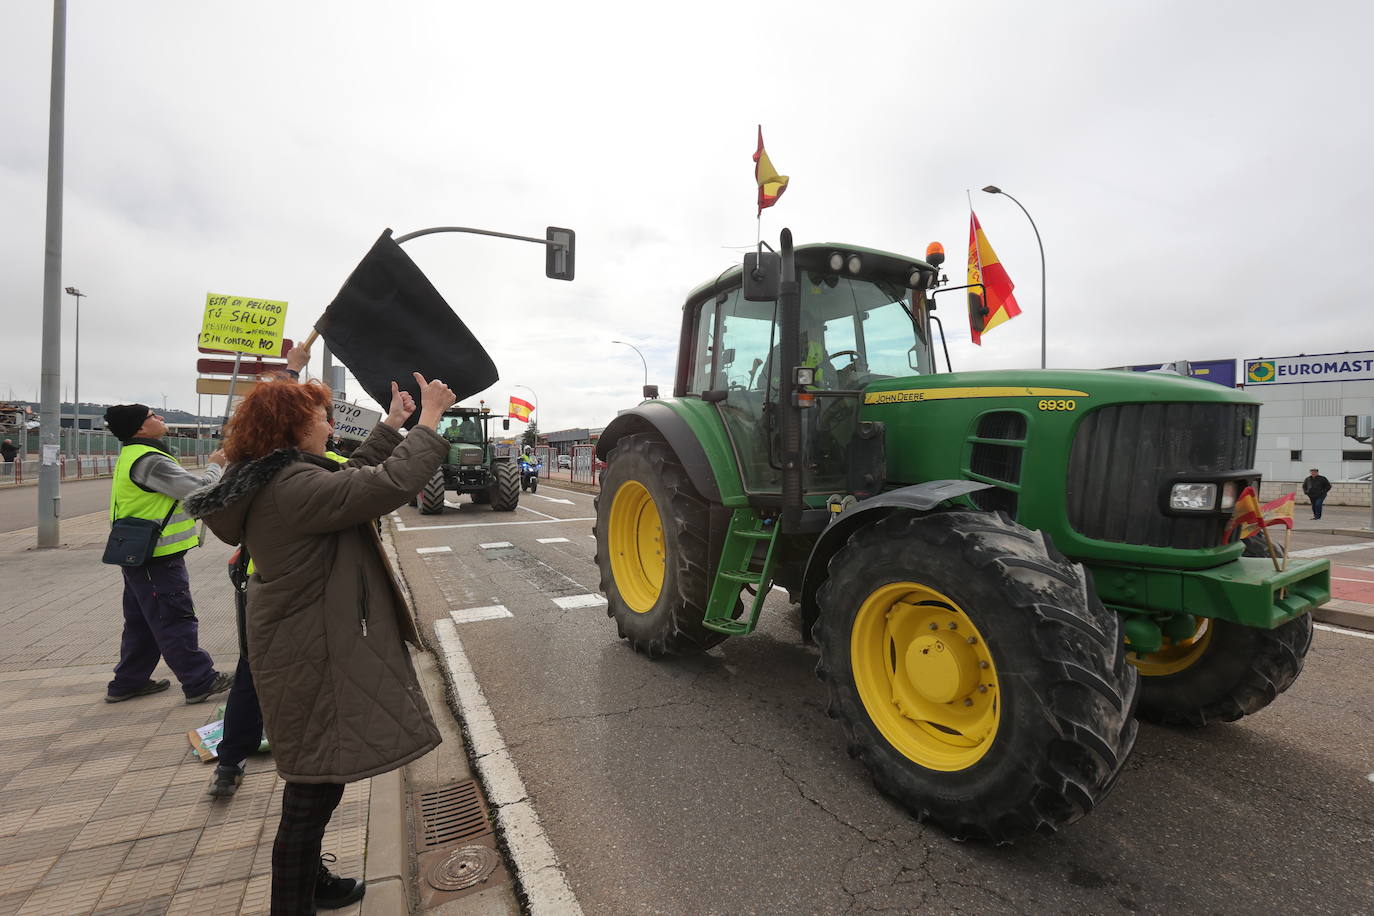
[[25, 468], [583, 470]]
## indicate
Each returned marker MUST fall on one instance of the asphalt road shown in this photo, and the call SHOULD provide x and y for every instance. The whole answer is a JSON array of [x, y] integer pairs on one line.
[[19, 505], [716, 784]]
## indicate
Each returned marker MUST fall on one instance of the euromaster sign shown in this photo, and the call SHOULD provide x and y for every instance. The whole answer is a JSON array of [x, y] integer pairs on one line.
[[240, 324], [1322, 367]]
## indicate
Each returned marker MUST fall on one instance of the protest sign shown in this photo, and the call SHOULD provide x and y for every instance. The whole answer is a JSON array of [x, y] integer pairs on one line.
[[352, 421], [239, 324], [221, 386]]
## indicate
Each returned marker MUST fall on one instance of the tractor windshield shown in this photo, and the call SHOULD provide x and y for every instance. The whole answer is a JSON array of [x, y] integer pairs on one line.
[[467, 430], [857, 331]]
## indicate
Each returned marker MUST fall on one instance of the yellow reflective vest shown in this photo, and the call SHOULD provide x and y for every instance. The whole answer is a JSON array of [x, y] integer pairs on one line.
[[129, 500]]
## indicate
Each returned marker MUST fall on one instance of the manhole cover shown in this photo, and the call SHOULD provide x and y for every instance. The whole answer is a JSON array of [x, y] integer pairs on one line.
[[463, 868]]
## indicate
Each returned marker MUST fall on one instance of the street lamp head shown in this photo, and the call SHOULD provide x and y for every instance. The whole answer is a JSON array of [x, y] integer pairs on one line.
[[993, 189], [73, 291], [620, 342]]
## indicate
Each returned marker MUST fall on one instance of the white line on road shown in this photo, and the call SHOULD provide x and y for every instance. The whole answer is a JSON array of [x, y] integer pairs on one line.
[[551, 540], [569, 492], [474, 614], [494, 544], [433, 549], [551, 521], [535, 862], [1333, 549], [552, 499], [536, 512], [1331, 629], [576, 601]]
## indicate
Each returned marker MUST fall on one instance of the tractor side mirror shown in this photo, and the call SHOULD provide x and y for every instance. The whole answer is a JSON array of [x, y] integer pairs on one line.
[[762, 274], [977, 311], [505, 424], [727, 356], [559, 260]]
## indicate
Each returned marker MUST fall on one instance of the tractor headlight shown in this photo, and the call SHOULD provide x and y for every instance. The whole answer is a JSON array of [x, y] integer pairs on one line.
[[854, 264], [836, 261], [1194, 497]]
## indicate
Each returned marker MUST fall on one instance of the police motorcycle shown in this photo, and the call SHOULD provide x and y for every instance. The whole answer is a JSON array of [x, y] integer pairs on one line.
[[529, 471]]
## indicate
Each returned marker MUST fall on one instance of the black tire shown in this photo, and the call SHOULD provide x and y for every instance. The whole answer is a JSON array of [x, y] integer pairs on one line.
[[524, 484], [1239, 671], [1067, 695], [481, 497], [431, 499], [505, 487], [414, 500], [672, 626], [534, 484]]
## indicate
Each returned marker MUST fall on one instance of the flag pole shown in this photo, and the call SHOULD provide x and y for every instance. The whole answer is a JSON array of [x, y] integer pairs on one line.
[[1273, 556]]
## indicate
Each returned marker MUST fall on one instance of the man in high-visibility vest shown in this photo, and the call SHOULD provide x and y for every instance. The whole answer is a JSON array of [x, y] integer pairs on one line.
[[159, 618]]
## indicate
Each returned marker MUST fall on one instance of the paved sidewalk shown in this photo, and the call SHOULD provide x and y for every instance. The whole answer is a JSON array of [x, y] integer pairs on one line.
[[103, 806]]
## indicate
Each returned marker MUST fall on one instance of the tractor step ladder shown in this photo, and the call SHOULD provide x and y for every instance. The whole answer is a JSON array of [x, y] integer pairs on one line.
[[747, 529]]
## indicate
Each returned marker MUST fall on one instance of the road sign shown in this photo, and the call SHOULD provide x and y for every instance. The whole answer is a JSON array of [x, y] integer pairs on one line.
[[221, 386], [247, 367], [352, 421], [242, 324], [286, 346]]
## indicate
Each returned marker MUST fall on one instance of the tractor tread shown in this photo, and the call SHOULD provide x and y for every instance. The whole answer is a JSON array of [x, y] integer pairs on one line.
[[431, 498]]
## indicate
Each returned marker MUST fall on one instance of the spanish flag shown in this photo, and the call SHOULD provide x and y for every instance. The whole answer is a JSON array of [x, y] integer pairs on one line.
[[1278, 512], [1247, 515], [991, 303], [520, 408], [771, 184]]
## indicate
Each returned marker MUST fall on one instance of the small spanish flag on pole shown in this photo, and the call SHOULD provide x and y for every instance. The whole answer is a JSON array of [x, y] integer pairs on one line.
[[990, 299], [520, 408], [771, 184]]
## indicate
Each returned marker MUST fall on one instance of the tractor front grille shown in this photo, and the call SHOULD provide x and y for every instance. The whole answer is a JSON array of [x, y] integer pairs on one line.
[[1124, 456]]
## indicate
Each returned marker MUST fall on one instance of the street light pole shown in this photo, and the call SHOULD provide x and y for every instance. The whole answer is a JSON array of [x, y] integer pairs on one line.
[[641, 359], [50, 372], [76, 385], [993, 189]]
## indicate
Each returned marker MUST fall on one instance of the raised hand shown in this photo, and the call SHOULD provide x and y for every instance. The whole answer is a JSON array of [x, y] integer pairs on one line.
[[435, 398], [402, 406]]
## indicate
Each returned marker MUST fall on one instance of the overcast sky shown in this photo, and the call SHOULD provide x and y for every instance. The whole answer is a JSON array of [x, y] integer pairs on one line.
[[1199, 172]]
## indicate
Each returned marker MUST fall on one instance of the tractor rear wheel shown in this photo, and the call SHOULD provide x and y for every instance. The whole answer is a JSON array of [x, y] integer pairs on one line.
[[1222, 672], [976, 673], [505, 486], [431, 499], [651, 548]]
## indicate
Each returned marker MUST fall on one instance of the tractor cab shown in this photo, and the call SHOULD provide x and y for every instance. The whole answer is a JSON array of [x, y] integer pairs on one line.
[[863, 318]]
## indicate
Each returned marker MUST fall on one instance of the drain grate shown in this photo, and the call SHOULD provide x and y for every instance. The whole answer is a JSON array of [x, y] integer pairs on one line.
[[448, 815]]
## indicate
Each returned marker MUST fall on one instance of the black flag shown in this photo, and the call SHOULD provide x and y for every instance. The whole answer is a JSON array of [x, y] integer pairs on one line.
[[388, 321]]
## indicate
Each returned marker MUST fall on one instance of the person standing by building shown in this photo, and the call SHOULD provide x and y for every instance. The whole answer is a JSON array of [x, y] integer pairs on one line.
[[8, 450], [159, 617], [1315, 487]]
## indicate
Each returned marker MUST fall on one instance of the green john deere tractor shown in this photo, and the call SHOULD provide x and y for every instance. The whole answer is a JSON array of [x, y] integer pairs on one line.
[[1002, 569], [472, 465]]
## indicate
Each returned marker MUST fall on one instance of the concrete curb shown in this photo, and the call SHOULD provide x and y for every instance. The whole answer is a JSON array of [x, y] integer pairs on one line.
[[387, 849], [1349, 614]]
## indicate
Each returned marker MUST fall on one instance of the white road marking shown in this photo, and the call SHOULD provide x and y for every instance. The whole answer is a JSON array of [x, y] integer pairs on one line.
[[540, 521], [569, 492], [433, 549], [494, 544], [1347, 579], [1332, 549], [552, 499], [551, 540], [1331, 629], [576, 601], [473, 614], [453, 505], [531, 854], [536, 512]]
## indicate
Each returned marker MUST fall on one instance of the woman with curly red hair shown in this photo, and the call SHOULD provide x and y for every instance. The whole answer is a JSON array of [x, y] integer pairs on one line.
[[326, 622]]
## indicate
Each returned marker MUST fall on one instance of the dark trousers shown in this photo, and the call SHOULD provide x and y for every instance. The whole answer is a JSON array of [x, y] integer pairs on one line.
[[305, 812], [1317, 505], [160, 622], [242, 719]]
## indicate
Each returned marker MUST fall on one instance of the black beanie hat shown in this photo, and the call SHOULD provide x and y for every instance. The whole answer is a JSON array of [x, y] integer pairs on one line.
[[124, 419]]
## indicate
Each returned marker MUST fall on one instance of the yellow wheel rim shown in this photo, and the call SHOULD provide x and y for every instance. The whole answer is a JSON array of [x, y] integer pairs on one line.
[[925, 676], [636, 544], [1173, 656]]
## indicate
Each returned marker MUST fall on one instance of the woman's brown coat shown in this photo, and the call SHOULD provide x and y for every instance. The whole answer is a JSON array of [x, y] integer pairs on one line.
[[327, 623]]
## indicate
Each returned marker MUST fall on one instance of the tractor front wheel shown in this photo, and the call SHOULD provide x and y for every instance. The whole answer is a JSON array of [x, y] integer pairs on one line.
[[505, 487], [1222, 672], [431, 499], [651, 548], [976, 674]]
